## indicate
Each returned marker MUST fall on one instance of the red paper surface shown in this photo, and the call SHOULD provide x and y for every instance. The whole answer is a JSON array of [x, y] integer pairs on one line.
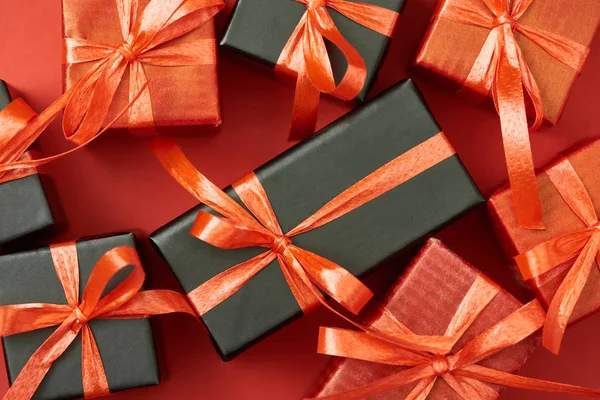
[[117, 185]]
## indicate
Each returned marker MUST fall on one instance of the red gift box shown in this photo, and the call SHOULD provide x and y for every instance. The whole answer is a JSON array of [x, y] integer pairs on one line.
[[425, 300], [451, 48], [561, 222], [180, 95]]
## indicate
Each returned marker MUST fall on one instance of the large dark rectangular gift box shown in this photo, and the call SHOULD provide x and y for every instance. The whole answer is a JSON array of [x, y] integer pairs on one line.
[[24, 208], [301, 181], [260, 29], [126, 346]]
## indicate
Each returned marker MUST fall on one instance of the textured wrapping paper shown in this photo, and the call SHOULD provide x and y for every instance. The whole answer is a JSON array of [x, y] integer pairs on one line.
[[300, 182], [24, 207], [559, 220], [181, 96], [126, 346], [450, 48], [425, 299]]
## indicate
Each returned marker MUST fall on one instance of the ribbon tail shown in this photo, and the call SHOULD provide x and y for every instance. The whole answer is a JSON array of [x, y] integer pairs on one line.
[[510, 101], [307, 299], [422, 390], [520, 382], [141, 118], [41, 361], [468, 388], [564, 301], [95, 383], [218, 289], [306, 108]]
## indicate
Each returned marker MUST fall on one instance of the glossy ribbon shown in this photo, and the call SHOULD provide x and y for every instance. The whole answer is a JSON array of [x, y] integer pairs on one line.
[[123, 302], [303, 270], [575, 252], [459, 370], [305, 56], [13, 120], [146, 41], [502, 69]]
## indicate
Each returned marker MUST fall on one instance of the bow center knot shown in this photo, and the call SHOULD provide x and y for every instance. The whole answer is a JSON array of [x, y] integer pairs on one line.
[[126, 50], [440, 365], [314, 4], [505, 19], [280, 243], [79, 315], [596, 225]]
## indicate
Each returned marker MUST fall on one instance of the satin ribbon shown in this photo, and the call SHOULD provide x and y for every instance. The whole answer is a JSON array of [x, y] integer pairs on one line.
[[123, 302], [575, 252], [502, 69], [305, 56], [146, 41], [303, 270], [460, 369], [13, 120]]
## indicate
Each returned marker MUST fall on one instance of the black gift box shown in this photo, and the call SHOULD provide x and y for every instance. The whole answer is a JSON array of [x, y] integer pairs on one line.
[[126, 346], [24, 207], [260, 29], [301, 181]]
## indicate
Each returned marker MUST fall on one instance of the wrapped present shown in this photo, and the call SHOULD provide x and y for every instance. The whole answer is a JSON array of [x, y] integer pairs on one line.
[[501, 47], [24, 207], [288, 36], [74, 321], [371, 184], [559, 263], [484, 336]]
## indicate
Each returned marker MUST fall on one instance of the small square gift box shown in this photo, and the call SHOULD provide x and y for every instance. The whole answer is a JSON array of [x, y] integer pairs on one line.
[[74, 321], [370, 185], [288, 35], [476, 336], [24, 207], [526, 55], [559, 263]]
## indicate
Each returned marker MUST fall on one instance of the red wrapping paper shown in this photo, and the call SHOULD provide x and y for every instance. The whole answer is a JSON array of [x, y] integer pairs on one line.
[[181, 96], [450, 49], [425, 299], [559, 220]]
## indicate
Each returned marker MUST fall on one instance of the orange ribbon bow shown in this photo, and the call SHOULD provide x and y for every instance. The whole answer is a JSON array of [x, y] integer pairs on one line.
[[502, 69], [146, 41], [13, 120], [302, 268], [552, 258], [459, 370], [123, 302], [305, 55]]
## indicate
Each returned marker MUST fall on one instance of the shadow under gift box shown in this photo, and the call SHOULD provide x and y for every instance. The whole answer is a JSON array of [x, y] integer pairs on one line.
[[301, 181], [260, 29], [450, 49], [425, 299], [560, 220], [126, 346], [24, 207]]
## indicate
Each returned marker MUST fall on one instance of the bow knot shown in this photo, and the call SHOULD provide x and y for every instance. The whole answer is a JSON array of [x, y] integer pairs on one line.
[[126, 50], [314, 4], [80, 316], [505, 19], [280, 243], [440, 365]]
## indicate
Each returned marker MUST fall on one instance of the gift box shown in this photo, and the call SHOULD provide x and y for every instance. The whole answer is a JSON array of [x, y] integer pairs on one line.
[[24, 207], [450, 48], [181, 92], [425, 301], [260, 29], [573, 178], [344, 156], [126, 347]]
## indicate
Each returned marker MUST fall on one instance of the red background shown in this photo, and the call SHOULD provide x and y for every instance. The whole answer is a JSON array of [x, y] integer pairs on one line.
[[117, 185]]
